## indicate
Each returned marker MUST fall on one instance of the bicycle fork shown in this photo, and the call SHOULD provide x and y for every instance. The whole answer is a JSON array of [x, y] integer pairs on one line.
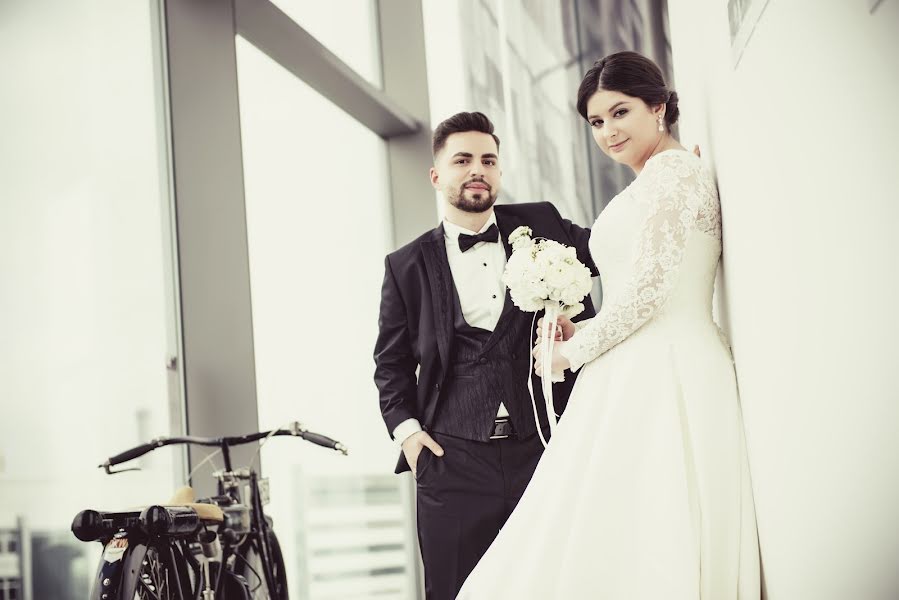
[[212, 548]]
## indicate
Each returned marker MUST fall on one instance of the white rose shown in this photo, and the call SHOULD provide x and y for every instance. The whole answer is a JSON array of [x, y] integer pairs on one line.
[[520, 238]]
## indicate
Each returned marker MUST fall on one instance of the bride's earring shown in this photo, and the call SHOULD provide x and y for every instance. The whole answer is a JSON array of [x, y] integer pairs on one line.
[[661, 127]]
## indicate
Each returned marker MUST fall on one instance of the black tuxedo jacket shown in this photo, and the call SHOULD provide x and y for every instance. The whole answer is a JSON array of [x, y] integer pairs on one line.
[[416, 318]]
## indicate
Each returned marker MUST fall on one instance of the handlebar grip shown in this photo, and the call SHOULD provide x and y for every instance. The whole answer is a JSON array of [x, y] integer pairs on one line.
[[131, 454], [323, 440]]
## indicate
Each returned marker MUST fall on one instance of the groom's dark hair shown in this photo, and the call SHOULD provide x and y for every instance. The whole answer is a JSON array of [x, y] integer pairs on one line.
[[460, 123]]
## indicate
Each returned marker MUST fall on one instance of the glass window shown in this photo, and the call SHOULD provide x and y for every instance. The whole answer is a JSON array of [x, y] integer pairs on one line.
[[348, 28], [318, 225], [83, 307], [516, 61]]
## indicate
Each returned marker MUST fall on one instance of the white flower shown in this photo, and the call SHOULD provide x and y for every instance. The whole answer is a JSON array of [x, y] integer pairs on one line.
[[572, 310], [521, 237], [545, 273]]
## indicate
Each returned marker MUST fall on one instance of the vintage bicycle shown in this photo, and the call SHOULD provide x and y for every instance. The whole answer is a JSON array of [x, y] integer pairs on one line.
[[218, 548]]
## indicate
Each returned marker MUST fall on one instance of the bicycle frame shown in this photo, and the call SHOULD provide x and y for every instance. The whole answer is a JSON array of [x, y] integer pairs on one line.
[[259, 525]]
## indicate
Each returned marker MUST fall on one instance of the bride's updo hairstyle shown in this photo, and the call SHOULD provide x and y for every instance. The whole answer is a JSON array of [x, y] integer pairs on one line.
[[632, 74]]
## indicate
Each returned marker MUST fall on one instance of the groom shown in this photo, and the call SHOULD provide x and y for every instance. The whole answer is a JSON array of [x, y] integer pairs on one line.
[[452, 356]]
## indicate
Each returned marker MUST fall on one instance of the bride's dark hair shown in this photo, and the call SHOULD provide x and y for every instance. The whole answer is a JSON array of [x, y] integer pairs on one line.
[[632, 74]]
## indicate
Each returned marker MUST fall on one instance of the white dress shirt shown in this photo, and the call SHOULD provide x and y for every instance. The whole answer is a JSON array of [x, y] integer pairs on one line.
[[477, 274]]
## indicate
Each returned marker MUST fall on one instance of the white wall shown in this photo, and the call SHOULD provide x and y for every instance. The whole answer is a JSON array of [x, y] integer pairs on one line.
[[803, 137]]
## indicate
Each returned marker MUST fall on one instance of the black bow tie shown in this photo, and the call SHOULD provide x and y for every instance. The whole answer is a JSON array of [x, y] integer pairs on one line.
[[467, 241]]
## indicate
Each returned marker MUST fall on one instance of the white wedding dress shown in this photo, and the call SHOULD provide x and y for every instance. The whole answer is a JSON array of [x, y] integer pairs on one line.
[[644, 490]]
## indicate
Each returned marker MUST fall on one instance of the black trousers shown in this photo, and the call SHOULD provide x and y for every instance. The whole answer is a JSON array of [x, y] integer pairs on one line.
[[464, 498]]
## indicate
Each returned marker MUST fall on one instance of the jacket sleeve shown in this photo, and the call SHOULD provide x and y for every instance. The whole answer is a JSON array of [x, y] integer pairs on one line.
[[580, 239], [395, 364]]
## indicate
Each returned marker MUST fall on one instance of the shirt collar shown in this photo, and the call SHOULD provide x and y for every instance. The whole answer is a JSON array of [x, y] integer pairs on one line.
[[451, 231]]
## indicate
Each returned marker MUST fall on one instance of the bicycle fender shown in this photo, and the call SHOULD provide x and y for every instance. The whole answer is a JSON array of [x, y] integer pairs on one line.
[[119, 556], [130, 573]]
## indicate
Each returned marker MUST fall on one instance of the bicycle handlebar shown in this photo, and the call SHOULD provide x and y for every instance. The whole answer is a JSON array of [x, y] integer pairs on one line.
[[131, 454], [296, 430]]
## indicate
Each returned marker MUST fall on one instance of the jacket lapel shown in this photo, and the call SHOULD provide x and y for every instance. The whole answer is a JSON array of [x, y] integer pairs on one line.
[[440, 279], [506, 224]]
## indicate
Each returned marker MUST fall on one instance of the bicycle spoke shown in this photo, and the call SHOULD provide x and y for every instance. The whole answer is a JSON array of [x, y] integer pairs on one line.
[[153, 579], [146, 589]]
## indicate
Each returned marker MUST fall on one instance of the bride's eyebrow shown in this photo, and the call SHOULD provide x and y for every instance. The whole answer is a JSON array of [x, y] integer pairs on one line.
[[612, 109]]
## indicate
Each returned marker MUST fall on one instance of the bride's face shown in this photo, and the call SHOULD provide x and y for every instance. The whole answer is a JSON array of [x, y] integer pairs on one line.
[[624, 127]]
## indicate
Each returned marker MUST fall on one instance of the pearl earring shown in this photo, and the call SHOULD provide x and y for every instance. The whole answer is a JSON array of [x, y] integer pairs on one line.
[[661, 127]]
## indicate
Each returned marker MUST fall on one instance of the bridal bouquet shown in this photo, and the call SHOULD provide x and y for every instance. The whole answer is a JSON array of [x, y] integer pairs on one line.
[[545, 275]]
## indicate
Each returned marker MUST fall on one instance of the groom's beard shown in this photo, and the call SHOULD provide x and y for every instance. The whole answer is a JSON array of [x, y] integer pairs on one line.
[[473, 201]]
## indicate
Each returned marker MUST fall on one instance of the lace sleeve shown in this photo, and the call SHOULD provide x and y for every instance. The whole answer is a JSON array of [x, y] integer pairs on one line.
[[673, 192]]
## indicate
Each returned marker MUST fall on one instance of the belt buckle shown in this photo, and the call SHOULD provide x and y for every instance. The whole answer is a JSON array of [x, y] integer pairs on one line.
[[503, 436]]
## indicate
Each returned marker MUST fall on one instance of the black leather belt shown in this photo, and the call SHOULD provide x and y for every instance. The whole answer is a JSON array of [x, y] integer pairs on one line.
[[502, 429]]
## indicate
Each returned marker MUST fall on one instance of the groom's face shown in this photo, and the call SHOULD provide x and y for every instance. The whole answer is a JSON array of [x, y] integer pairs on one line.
[[467, 171]]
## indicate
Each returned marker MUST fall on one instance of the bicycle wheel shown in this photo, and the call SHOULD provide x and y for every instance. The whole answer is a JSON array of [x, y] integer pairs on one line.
[[250, 567], [150, 574]]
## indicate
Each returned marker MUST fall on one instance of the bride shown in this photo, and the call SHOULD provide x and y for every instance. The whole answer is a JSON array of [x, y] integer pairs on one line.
[[644, 491]]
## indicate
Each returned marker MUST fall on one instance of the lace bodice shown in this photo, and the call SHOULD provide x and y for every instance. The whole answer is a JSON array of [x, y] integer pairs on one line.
[[657, 246]]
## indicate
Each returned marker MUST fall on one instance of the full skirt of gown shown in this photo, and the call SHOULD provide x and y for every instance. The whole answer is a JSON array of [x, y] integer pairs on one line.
[[644, 490]]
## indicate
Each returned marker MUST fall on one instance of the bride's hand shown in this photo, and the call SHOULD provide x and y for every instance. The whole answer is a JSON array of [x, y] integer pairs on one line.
[[559, 362], [564, 329]]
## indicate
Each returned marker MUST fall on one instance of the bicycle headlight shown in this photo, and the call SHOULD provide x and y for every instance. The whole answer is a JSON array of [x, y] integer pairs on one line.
[[169, 520], [88, 526]]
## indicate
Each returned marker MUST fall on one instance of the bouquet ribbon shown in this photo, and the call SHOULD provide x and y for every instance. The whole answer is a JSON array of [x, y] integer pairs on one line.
[[547, 347]]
